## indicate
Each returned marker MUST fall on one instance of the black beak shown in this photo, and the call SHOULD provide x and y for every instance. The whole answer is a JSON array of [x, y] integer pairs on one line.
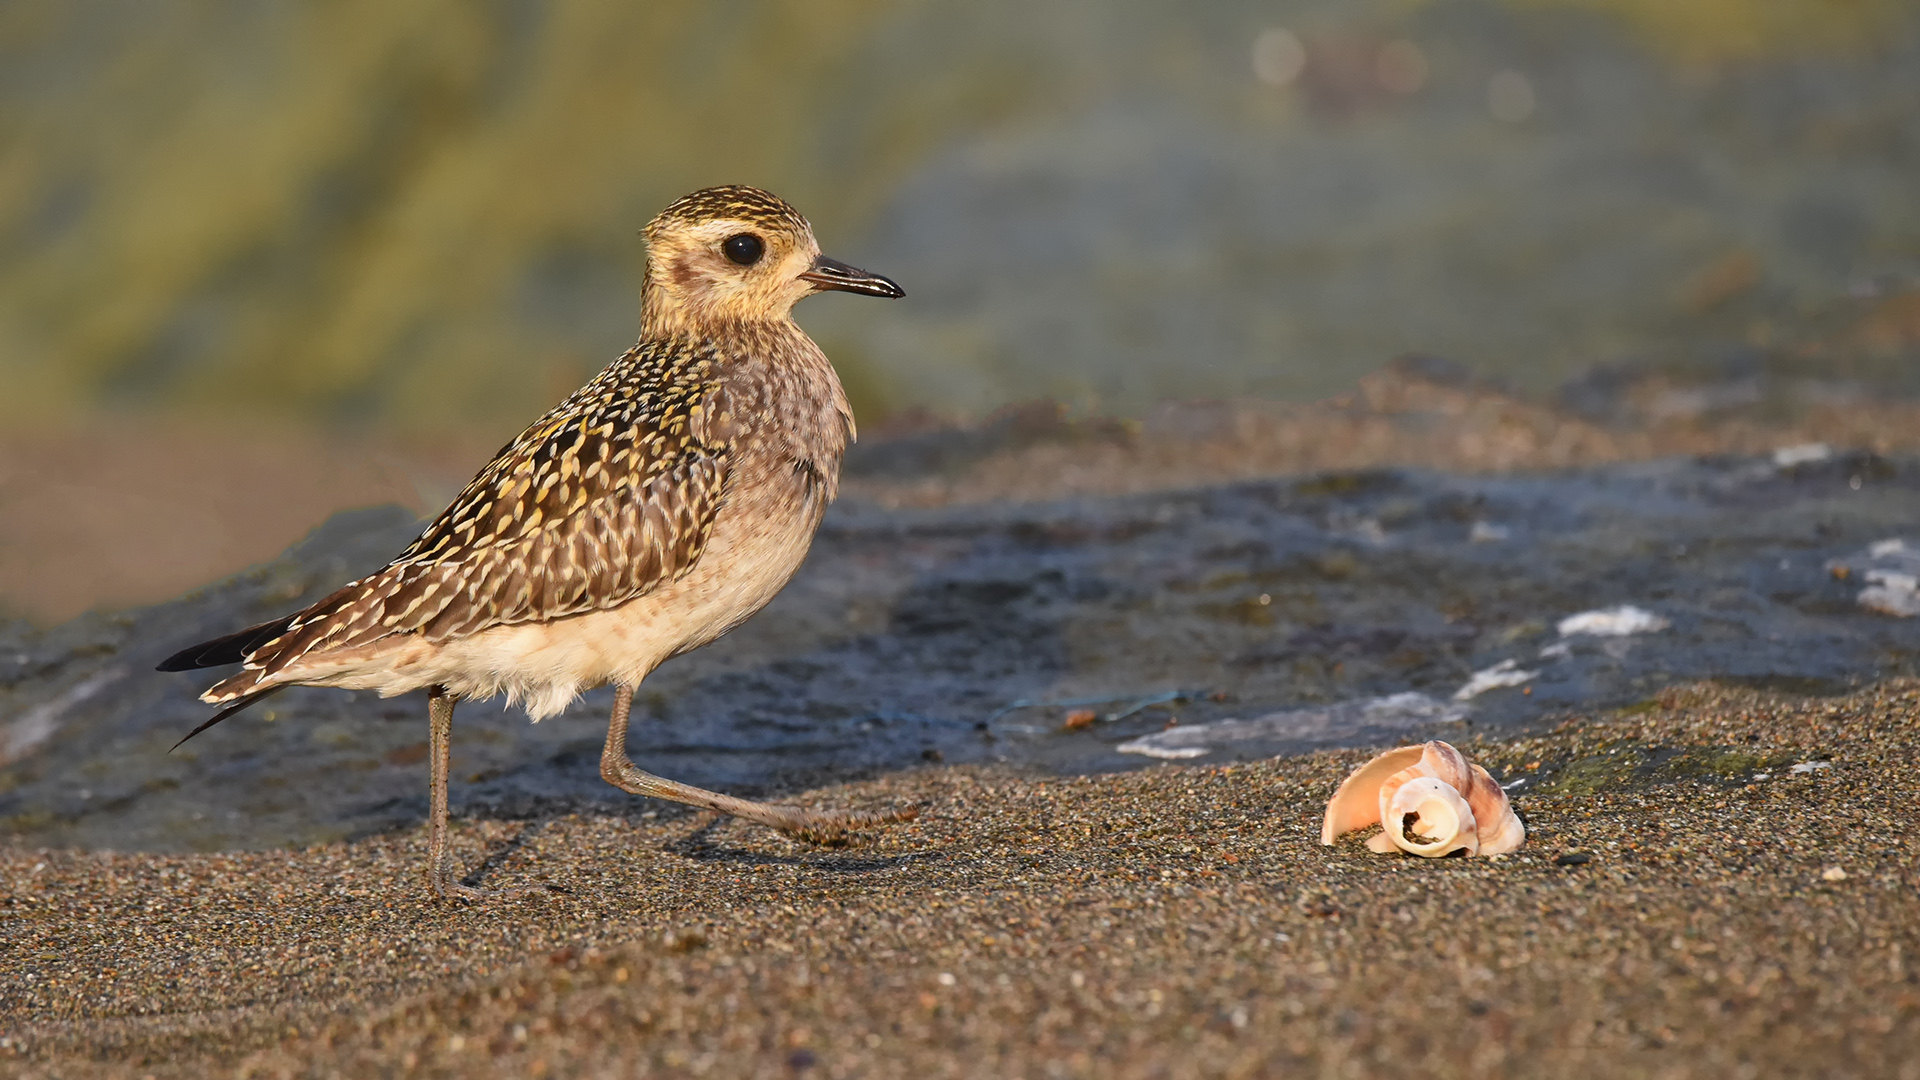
[[834, 274]]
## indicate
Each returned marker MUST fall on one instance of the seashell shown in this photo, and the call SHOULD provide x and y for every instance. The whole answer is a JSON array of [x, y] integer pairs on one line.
[[1451, 804]]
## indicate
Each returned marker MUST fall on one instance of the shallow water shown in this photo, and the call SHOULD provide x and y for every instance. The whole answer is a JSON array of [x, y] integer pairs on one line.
[[970, 633]]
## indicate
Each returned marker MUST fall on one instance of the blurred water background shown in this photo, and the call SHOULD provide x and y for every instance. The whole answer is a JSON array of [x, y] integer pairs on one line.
[[269, 232]]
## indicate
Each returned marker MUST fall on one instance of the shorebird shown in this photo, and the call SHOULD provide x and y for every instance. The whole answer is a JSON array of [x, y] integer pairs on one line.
[[647, 514]]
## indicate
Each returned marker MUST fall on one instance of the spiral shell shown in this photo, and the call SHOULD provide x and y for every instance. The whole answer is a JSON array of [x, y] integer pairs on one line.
[[1430, 800]]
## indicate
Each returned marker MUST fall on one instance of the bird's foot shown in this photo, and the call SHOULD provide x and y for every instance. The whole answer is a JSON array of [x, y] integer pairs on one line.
[[833, 829]]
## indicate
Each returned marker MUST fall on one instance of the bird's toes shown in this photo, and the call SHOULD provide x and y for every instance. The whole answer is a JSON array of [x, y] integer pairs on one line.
[[836, 830], [831, 836]]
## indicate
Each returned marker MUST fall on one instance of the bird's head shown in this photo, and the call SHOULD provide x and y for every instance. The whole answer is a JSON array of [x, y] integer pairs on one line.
[[737, 255]]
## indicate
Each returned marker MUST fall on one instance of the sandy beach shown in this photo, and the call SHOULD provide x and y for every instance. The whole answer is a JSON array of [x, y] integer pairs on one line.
[[1717, 882]]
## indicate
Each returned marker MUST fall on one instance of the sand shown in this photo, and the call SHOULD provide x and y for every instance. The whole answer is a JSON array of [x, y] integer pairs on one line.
[[1688, 904]]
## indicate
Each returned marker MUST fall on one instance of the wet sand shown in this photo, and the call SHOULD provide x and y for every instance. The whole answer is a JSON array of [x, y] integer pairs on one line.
[[1688, 903]]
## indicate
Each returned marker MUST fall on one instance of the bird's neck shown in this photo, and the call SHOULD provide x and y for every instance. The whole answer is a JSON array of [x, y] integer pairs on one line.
[[663, 314], [776, 344]]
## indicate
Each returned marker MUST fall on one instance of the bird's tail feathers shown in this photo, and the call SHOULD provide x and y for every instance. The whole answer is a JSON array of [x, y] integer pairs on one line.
[[238, 703], [233, 648]]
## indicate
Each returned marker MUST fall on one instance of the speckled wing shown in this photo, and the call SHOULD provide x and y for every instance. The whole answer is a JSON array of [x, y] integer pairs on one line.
[[603, 499]]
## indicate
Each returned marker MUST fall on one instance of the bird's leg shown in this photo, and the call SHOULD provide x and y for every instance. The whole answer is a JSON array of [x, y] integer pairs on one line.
[[440, 871], [811, 825]]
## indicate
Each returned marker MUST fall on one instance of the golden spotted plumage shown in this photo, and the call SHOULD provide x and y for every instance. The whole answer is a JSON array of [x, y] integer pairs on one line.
[[611, 493]]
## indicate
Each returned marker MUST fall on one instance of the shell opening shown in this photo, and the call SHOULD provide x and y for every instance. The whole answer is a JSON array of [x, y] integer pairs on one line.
[[1427, 816]]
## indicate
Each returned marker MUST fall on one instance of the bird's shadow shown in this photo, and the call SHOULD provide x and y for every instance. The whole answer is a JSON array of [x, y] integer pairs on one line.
[[701, 845], [498, 855]]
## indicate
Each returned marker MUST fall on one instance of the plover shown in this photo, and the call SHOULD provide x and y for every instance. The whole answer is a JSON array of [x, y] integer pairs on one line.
[[649, 513]]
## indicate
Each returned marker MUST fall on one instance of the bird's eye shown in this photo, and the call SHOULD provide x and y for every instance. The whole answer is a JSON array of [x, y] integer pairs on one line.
[[744, 248]]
